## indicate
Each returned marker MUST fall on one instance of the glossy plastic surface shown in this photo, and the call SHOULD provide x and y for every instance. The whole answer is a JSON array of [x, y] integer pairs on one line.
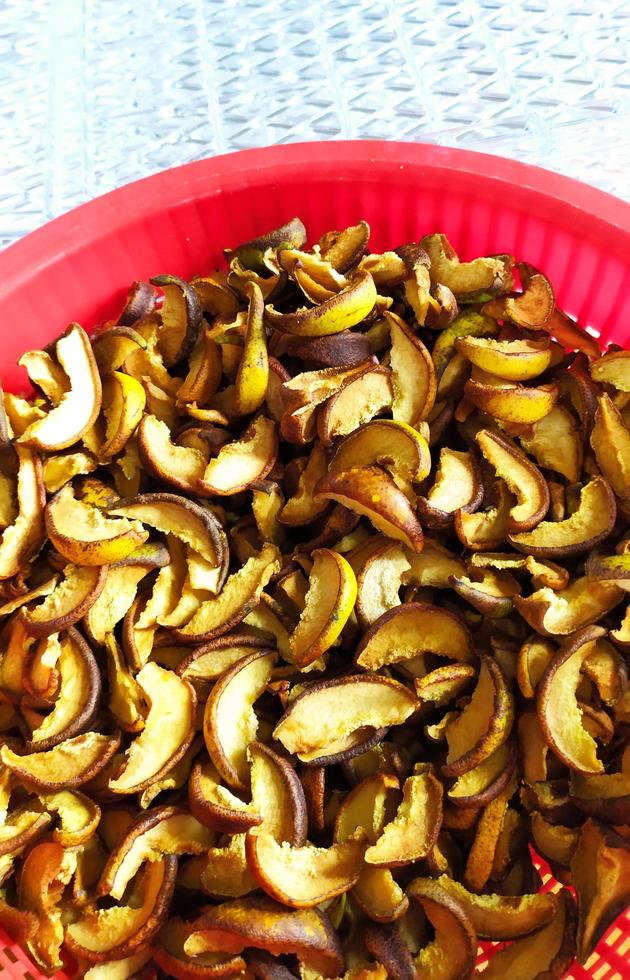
[[79, 266]]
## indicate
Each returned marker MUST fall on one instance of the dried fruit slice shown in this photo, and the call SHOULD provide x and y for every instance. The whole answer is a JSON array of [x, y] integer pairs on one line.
[[169, 513], [330, 710], [181, 318], [410, 630], [545, 954], [242, 462], [484, 724], [458, 487], [70, 600], [612, 368], [610, 440], [523, 479], [512, 402], [66, 765], [513, 360], [264, 924], [599, 869], [332, 590], [84, 535], [581, 603], [593, 521], [100, 935], [78, 408], [413, 832], [78, 816], [393, 445], [168, 730], [368, 394], [180, 466], [605, 796], [344, 310], [558, 709], [22, 538], [500, 917], [168, 952], [451, 954], [380, 581], [486, 530], [371, 492], [304, 877], [232, 696], [413, 373], [556, 443], [469, 281]]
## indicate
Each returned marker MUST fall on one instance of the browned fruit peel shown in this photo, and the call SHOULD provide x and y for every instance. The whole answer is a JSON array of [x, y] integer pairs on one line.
[[283, 434]]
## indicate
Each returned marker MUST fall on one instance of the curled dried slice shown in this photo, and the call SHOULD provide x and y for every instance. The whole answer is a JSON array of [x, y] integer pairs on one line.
[[486, 530], [83, 534], [413, 832], [70, 600], [484, 724], [500, 917], [593, 521], [334, 709], [558, 709], [413, 373], [240, 594], [484, 782], [100, 935], [181, 318], [168, 730], [164, 830], [78, 816], [342, 311], [458, 487], [214, 805], [522, 477], [169, 513], [233, 696], [78, 408], [612, 368], [168, 952], [46, 871], [605, 795], [600, 868], [451, 954], [546, 953], [544, 573], [556, 443], [262, 923], [78, 697], [332, 590], [581, 603], [22, 538], [243, 461], [469, 281], [371, 492], [23, 826], [66, 765], [180, 466], [394, 445], [512, 402], [302, 507], [304, 877], [513, 360], [379, 582], [360, 400], [444, 683], [410, 630], [610, 440]]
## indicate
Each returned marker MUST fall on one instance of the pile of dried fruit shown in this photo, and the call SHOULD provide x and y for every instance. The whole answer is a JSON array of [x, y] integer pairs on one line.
[[312, 594]]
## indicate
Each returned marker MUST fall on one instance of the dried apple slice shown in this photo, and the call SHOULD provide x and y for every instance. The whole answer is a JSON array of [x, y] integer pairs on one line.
[[413, 373], [486, 530], [277, 794], [46, 871], [302, 507], [214, 805], [85, 536], [78, 816], [458, 486], [489, 592], [370, 491], [78, 699], [169, 513], [181, 318], [605, 796], [393, 445], [342, 311], [554, 842], [304, 877], [556, 443], [534, 657], [433, 566], [68, 602], [45, 374], [124, 400], [544, 573], [557, 705], [242, 462], [410, 630], [379, 582], [233, 695], [522, 477], [358, 402], [210, 660], [513, 360], [330, 710], [168, 952], [599, 868], [612, 368], [444, 684], [100, 935], [21, 539], [164, 830], [332, 590], [452, 952], [66, 765], [240, 594], [79, 407], [412, 833], [546, 953], [512, 402], [168, 730], [469, 281], [253, 370], [591, 523], [22, 827], [499, 917], [261, 923], [582, 602], [118, 593], [180, 466], [483, 725], [610, 440]]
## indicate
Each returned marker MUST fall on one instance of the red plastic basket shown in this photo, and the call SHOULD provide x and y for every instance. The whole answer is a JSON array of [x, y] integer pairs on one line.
[[79, 266]]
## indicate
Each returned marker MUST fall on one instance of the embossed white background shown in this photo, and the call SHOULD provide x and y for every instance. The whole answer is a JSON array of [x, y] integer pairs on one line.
[[95, 93]]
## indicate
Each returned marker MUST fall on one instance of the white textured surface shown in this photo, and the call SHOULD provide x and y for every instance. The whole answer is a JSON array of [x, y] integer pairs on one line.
[[95, 93]]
